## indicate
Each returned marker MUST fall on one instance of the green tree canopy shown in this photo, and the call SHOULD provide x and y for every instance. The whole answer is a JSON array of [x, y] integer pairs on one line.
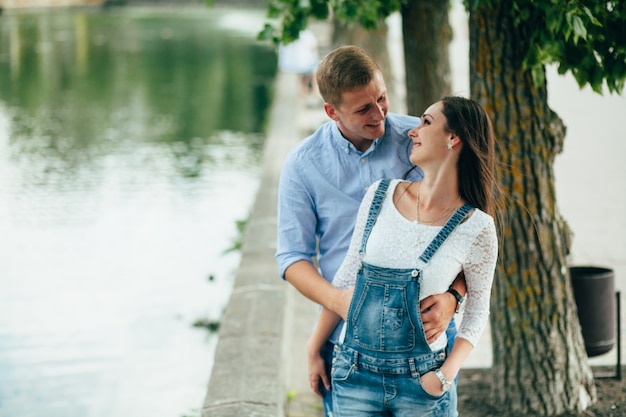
[[586, 38]]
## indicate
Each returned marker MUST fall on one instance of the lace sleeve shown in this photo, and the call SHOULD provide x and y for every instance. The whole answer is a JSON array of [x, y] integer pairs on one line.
[[479, 269], [346, 274]]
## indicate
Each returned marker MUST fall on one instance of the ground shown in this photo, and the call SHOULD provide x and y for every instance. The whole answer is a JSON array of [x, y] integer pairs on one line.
[[475, 385]]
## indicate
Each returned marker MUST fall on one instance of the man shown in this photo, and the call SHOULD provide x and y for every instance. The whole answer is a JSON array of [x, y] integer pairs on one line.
[[324, 179]]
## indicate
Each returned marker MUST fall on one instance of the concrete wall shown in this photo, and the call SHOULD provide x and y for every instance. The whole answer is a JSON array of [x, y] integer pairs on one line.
[[252, 355], [260, 358]]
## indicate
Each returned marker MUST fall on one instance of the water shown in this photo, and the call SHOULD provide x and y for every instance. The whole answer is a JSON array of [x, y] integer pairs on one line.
[[130, 143]]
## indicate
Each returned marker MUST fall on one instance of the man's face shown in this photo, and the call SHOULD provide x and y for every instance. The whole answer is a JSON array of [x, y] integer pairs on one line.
[[361, 116]]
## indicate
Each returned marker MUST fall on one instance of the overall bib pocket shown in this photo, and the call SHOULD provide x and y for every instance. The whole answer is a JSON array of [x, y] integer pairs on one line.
[[383, 326]]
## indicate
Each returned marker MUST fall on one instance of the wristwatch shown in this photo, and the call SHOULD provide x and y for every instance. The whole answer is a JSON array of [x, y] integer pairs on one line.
[[460, 300], [445, 384]]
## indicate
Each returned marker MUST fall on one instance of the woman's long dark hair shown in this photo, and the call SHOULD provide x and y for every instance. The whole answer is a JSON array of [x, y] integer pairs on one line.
[[468, 120]]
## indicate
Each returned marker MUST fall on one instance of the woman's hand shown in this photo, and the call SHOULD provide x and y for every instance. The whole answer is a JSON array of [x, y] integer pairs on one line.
[[317, 372], [431, 384]]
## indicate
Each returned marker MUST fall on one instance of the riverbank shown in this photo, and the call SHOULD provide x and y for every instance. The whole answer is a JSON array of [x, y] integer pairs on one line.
[[253, 360], [259, 367]]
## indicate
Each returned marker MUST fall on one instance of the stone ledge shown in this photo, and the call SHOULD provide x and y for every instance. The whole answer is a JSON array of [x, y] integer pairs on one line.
[[248, 376]]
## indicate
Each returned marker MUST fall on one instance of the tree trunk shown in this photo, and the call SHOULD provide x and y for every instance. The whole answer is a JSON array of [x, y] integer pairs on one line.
[[427, 34], [539, 361]]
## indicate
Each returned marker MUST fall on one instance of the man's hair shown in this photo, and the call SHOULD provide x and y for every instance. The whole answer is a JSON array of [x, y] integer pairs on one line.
[[344, 69]]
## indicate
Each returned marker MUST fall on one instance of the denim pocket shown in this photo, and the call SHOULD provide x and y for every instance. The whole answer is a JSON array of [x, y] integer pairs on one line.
[[381, 319], [393, 317], [442, 398], [342, 367]]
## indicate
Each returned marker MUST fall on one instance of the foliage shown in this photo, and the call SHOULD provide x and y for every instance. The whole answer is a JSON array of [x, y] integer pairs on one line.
[[291, 395], [237, 242], [294, 15], [584, 37], [211, 325]]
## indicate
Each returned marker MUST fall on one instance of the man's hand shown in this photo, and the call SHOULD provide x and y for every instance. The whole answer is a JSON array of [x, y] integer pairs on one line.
[[437, 311]]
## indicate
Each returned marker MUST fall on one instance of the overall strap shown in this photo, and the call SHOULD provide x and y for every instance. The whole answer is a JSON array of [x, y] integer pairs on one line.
[[377, 203], [445, 231]]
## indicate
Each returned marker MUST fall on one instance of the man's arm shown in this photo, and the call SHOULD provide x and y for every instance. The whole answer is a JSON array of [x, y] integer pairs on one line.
[[437, 310], [308, 281]]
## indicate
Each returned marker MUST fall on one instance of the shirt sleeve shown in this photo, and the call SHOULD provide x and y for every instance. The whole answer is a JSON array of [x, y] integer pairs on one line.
[[479, 269], [346, 274], [296, 218]]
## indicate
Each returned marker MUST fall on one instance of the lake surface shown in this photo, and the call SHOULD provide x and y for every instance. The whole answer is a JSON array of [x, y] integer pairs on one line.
[[130, 146]]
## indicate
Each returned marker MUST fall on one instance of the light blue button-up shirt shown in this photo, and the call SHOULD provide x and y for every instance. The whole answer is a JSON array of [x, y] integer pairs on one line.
[[322, 183]]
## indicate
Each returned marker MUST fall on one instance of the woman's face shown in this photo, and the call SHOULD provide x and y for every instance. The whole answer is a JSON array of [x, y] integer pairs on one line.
[[430, 138]]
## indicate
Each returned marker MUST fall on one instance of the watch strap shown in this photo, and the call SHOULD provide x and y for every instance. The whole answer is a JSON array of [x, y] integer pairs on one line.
[[458, 296], [445, 384]]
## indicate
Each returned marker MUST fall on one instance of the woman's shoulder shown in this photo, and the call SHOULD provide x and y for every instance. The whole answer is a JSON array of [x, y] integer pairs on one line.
[[389, 192], [480, 220]]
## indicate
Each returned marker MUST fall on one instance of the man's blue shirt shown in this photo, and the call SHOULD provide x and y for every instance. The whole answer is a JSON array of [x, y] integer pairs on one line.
[[322, 183]]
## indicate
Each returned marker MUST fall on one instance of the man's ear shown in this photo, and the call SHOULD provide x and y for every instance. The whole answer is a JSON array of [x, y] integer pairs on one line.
[[330, 111]]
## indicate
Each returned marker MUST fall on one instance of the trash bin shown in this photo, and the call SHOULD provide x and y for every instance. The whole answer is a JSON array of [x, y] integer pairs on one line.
[[594, 291]]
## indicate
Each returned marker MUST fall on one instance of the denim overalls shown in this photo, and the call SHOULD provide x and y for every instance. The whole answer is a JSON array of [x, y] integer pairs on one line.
[[376, 369]]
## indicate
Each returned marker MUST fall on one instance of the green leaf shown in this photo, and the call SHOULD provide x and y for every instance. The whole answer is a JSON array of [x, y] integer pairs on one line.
[[592, 18], [532, 56], [580, 31], [268, 33], [538, 75]]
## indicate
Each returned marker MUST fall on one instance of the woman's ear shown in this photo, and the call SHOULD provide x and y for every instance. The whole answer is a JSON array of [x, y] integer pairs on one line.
[[455, 140]]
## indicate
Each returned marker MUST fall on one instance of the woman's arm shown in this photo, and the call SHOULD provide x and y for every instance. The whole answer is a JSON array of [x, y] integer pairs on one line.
[[479, 269], [450, 368], [339, 300], [326, 323]]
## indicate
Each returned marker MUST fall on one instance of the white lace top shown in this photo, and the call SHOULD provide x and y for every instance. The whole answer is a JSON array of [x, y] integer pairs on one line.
[[396, 242]]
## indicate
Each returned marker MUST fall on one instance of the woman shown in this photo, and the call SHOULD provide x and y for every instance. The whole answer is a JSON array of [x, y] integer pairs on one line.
[[410, 241]]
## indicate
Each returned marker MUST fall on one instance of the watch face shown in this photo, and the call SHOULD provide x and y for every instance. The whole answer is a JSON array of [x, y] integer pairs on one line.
[[446, 386]]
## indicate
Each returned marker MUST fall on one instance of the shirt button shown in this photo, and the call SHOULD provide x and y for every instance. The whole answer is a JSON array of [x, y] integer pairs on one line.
[[363, 160]]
